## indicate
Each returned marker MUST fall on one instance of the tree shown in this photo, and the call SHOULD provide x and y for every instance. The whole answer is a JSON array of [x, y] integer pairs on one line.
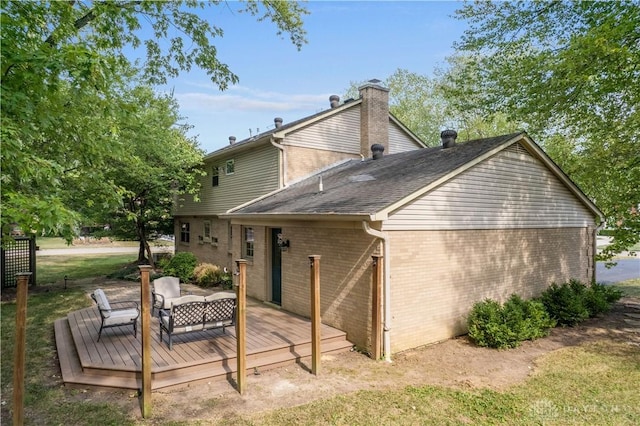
[[426, 105], [568, 71], [159, 165], [63, 71]]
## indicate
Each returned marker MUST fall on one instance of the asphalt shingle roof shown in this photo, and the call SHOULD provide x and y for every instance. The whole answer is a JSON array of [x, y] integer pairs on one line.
[[366, 187]]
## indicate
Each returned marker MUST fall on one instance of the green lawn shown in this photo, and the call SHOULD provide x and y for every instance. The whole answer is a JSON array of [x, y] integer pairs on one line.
[[630, 288], [596, 383], [59, 243], [52, 269]]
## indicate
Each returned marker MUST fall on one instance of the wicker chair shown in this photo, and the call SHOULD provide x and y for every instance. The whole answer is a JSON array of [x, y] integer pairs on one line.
[[121, 314]]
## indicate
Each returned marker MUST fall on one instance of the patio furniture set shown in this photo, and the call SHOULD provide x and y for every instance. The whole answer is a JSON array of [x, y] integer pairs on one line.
[[177, 313]]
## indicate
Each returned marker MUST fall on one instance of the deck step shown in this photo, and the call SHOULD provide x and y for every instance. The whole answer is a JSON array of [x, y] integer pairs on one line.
[[95, 376]]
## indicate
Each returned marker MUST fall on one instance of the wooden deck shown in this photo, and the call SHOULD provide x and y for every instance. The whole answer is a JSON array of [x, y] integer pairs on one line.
[[274, 338]]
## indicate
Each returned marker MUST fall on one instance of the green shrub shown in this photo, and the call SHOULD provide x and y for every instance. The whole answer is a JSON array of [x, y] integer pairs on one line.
[[496, 326], [565, 303], [573, 302], [600, 297], [181, 265]]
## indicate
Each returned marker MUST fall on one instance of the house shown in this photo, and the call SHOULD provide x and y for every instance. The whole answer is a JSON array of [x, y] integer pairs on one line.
[[453, 224]]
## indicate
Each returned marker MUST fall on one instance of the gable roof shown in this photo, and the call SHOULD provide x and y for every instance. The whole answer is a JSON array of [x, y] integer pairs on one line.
[[279, 132], [371, 189]]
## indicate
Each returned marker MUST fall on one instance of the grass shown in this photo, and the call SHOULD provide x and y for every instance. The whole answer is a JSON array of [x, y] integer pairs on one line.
[[43, 393], [59, 243], [591, 384], [595, 383], [630, 288], [52, 269]]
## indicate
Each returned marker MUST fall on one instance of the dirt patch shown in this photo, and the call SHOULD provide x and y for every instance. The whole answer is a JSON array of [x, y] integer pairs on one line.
[[454, 363]]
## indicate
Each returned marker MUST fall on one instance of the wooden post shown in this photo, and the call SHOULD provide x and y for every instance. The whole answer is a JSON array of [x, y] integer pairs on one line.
[[241, 326], [20, 348], [376, 308], [145, 302], [314, 263]]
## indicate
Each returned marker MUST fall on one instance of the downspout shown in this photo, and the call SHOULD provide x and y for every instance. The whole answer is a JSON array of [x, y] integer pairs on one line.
[[284, 162], [595, 247], [387, 288]]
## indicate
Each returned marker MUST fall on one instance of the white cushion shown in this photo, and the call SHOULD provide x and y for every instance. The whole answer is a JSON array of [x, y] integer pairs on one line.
[[103, 302], [187, 299], [122, 316], [169, 287], [220, 295]]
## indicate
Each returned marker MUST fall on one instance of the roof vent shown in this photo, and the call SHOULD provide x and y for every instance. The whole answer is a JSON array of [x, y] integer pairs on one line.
[[448, 138], [377, 150], [232, 140], [278, 122], [334, 100]]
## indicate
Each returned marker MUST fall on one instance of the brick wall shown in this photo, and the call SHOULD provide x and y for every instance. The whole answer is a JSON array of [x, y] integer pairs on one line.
[[437, 276], [345, 277], [374, 125], [208, 252]]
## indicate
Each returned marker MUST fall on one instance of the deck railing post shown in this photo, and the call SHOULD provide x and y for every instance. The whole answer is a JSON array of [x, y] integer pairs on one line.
[[376, 308], [20, 347], [145, 302], [314, 263], [241, 325]]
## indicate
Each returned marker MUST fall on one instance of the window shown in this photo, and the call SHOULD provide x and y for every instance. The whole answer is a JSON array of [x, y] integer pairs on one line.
[[230, 167], [184, 232], [206, 231], [215, 176], [247, 242]]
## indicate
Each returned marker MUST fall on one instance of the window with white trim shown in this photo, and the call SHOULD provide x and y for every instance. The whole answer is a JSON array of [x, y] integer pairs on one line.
[[206, 231], [184, 232], [215, 176], [247, 242], [230, 167]]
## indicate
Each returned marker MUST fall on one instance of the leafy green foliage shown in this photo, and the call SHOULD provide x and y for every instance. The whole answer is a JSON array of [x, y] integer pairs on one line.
[[505, 326], [573, 302], [181, 265], [567, 73], [72, 111]]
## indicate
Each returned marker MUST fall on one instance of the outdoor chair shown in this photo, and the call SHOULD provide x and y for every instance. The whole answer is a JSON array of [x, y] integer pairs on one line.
[[120, 314], [165, 290]]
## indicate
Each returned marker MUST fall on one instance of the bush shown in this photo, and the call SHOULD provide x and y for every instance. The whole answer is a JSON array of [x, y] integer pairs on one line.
[[600, 297], [496, 326], [573, 302], [181, 265], [207, 274], [565, 303]]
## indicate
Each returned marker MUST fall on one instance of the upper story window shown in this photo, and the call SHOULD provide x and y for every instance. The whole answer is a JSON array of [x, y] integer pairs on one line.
[[230, 167], [184, 232], [247, 242], [215, 176]]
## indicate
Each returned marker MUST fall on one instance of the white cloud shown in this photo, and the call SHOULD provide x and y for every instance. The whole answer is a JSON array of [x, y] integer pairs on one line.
[[246, 99]]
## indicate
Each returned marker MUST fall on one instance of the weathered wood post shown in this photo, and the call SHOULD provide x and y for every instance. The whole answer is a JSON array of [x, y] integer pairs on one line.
[[241, 325], [145, 302], [314, 263], [20, 348], [376, 305]]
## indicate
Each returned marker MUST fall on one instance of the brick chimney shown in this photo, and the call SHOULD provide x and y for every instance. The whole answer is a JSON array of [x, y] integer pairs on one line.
[[374, 117]]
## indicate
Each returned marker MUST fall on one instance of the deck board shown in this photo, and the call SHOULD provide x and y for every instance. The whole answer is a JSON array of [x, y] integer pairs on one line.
[[273, 337]]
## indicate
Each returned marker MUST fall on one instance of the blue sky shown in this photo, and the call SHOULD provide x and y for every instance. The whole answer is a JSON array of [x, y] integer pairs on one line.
[[347, 42]]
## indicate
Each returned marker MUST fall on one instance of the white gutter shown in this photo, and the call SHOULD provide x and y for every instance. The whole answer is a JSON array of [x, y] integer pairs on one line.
[[284, 162], [387, 288]]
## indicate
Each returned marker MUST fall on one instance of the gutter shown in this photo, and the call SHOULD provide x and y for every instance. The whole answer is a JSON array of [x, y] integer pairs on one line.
[[387, 288], [279, 146]]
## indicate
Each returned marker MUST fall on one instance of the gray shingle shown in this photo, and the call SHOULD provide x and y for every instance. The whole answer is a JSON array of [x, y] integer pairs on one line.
[[366, 187]]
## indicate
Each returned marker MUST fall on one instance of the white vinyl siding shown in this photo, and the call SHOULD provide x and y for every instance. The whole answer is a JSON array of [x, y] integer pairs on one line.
[[509, 190], [399, 141], [255, 173], [339, 132]]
